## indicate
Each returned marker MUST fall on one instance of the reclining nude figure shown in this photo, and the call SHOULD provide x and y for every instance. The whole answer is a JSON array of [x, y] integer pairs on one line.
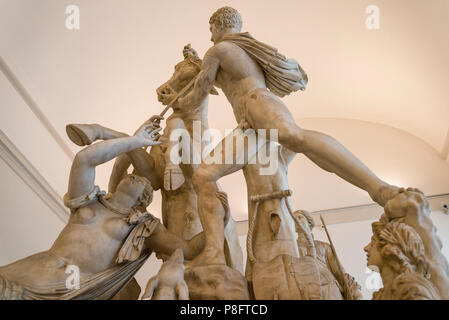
[[108, 238], [253, 75]]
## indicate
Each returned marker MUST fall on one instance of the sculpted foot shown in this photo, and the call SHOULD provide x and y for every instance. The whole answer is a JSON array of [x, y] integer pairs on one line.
[[173, 177], [209, 256]]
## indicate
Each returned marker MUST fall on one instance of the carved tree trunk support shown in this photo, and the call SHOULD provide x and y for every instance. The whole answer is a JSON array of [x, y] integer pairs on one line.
[[294, 278], [275, 195]]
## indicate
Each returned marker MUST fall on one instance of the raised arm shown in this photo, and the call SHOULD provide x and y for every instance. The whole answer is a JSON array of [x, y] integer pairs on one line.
[[142, 161], [82, 173], [205, 79]]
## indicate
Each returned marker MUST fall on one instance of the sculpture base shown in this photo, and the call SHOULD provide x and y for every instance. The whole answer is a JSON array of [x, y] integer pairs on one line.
[[129, 292], [216, 282], [286, 278]]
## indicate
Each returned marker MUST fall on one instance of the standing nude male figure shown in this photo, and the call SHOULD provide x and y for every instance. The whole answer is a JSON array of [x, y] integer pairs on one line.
[[244, 82]]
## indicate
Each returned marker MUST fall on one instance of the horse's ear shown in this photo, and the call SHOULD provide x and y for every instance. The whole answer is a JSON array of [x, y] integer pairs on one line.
[[189, 52], [214, 91]]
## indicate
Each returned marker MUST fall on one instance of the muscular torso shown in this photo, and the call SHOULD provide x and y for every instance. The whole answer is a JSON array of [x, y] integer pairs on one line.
[[237, 75]]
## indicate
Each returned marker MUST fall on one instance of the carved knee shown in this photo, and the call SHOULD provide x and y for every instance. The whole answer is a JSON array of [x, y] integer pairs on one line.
[[292, 136]]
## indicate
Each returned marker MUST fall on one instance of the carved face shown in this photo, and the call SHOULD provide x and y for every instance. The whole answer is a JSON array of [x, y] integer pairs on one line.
[[132, 186], [373, 256], [216, 33], [304, 223], [185, 71]]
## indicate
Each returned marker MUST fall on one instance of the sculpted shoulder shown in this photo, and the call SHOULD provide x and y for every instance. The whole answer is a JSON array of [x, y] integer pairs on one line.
[[219, 50]]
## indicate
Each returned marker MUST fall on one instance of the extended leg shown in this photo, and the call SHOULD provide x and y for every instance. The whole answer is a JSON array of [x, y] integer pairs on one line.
[[210, 208], [269, 112]]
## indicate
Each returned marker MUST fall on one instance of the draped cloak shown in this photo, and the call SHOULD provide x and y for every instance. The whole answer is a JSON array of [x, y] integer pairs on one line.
[[282, 76]]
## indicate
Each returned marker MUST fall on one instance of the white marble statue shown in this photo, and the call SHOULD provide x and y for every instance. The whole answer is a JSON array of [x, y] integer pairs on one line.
[[107, 238], [253, 76]]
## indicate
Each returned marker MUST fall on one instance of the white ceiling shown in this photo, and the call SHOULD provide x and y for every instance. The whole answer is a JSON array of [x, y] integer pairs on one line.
[[109, 69], [107, 72]]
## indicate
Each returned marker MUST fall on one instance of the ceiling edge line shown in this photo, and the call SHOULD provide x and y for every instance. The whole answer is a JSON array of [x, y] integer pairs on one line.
[[31, 177], [31, 103]]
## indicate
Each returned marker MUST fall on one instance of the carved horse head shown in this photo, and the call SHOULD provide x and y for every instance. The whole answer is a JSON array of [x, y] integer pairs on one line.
[[185, 71]]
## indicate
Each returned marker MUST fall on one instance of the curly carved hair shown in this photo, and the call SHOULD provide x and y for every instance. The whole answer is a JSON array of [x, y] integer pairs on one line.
[[400, 246], [226, 17]]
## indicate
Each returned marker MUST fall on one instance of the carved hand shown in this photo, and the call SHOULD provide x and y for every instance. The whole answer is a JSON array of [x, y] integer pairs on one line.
[[148, 135], [407, 203]]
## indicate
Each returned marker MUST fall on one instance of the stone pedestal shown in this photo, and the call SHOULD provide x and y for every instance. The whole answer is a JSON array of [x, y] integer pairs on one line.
[[286, 278], [216, 282]]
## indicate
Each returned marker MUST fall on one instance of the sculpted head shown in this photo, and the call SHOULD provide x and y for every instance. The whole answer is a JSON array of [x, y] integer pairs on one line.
[[398, 246], [305, 219], [136, 187], [185, 71], [224, 20]]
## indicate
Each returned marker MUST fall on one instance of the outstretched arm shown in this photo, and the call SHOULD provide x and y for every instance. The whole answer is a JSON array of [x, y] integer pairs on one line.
[[82, 173], [204, 81]]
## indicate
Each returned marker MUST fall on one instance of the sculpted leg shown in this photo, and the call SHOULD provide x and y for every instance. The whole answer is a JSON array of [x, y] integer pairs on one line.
[[267, 112], [332, 156], [211, 210]]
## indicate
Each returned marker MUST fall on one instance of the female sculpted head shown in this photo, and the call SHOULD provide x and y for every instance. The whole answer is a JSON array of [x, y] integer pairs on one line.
[[305, 219], [396, 246]]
